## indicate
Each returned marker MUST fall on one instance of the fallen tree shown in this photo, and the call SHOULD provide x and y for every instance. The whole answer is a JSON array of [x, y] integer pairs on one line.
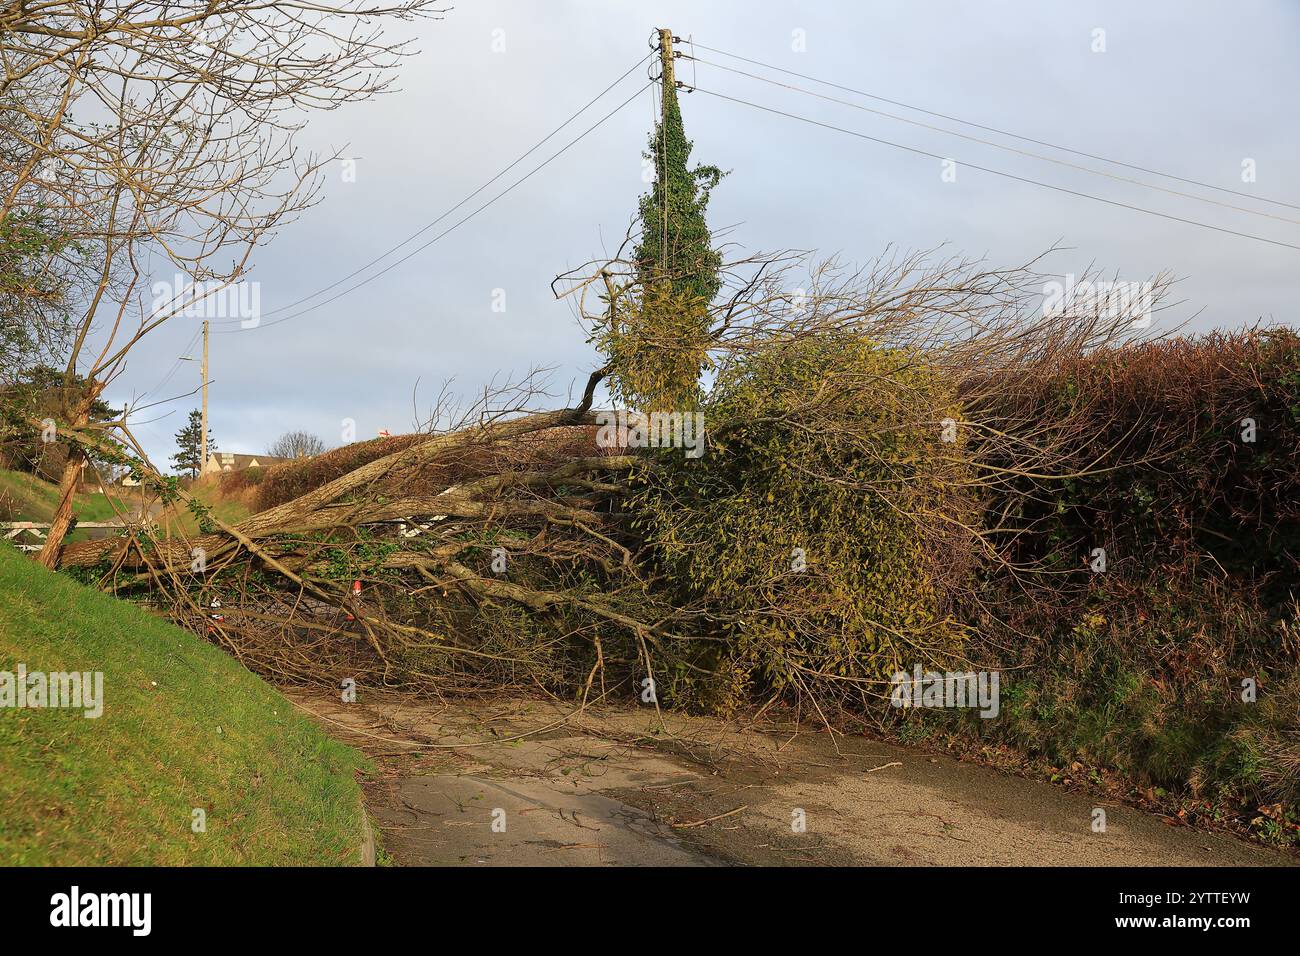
[[944, 495], [511, 546]]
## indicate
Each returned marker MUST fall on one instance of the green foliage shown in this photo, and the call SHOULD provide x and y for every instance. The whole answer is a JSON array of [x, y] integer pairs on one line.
[[202, 514], [1142, 692], [657, 343], [33, 317], [37, 394], [675, 241], [26, 238], [657, 336], [817, 458], [361, 558], [190, 458]]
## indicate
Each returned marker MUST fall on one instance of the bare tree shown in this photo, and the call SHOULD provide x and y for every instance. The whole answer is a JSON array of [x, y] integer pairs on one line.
[[296, 444], [161, 135]]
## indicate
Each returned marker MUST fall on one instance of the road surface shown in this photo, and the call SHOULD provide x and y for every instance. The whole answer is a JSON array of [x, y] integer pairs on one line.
[[529, 783]]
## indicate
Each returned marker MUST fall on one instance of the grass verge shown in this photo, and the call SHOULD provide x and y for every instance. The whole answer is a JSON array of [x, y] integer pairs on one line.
[[184, 728]]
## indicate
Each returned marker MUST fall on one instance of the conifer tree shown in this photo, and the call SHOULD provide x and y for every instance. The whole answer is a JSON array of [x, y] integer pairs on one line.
[[190, 458]]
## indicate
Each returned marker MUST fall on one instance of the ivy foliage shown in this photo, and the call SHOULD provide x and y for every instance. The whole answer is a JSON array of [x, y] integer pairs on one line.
[[675, 242], [657, 337], [657, 346], [814, 520]]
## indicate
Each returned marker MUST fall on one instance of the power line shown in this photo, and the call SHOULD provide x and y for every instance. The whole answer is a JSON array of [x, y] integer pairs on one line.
[[998, 172], [177, 364], [419, 232], [454, 226], [1000, 132], [1002, 146]]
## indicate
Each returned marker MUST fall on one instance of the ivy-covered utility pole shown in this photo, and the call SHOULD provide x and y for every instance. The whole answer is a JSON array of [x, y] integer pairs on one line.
[[675, 242], [657, 336], [668, 101]]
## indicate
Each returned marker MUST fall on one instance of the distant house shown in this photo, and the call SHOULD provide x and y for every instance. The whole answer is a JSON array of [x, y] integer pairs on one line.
[[220, 461]]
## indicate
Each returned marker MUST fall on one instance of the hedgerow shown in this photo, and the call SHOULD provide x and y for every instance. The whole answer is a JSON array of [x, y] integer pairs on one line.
[[1174, 664]]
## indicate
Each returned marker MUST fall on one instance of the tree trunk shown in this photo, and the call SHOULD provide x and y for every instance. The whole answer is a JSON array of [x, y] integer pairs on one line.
[[62, 520]]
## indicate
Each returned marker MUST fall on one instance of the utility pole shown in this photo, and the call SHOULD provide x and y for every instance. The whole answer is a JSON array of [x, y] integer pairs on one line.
[[669, 90], [666, 59], [203, 434]]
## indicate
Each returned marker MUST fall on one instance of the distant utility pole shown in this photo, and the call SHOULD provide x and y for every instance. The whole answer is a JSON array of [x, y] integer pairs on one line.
[[203, 434]]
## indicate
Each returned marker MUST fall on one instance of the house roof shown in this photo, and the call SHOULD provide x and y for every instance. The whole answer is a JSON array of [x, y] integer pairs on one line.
[[233, 461]]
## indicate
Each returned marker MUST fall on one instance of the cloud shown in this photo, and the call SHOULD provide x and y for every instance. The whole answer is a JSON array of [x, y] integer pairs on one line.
[[1187, 92]]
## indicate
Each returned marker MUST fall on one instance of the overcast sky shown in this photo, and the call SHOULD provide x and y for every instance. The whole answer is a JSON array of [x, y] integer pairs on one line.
[[1191, 88]]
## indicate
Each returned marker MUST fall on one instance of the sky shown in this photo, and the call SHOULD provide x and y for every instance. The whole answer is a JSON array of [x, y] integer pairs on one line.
[[1196, 89]]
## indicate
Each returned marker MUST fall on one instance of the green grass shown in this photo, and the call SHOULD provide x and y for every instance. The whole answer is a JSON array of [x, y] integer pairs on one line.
[[230, 510], [184, 726], [27, 495], [29, 498]]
